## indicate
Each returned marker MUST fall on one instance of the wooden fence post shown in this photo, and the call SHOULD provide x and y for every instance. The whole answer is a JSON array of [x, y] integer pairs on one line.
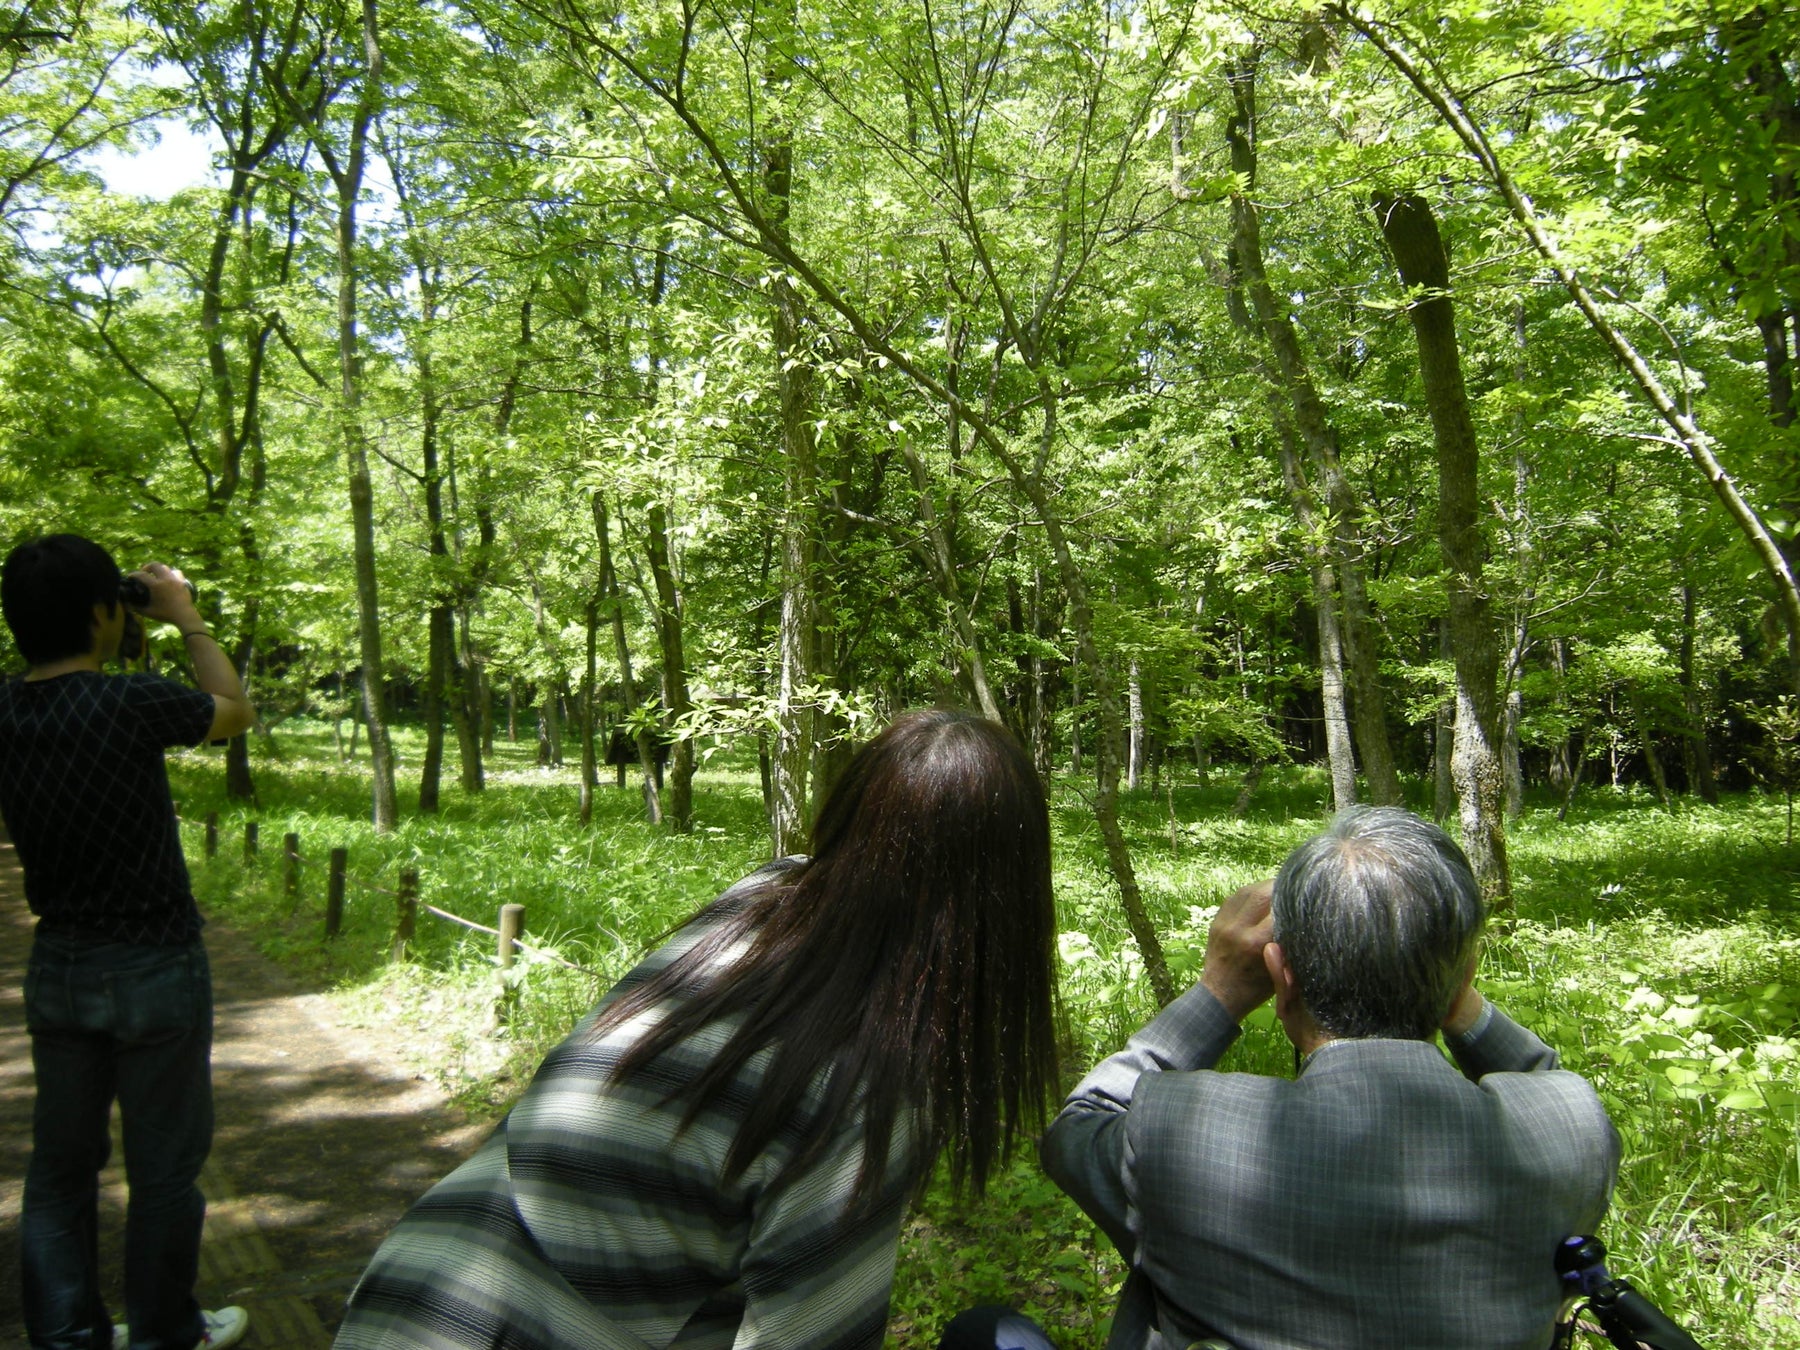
[[406, 918], [512, 924], [251, 829], [290, 866], [334, 892], [212, 834]]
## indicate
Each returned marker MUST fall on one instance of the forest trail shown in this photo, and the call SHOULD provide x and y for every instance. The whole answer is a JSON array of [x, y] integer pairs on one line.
[[322, 1142]]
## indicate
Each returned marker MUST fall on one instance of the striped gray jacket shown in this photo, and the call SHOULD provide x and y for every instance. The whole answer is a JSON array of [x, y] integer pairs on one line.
[[590, 1219]]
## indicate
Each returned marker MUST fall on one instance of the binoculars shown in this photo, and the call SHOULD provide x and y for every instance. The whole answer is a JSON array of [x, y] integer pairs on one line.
[[134, 594], [134, 591]]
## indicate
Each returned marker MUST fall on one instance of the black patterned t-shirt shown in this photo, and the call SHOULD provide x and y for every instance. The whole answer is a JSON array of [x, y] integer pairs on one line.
[[86, 800]]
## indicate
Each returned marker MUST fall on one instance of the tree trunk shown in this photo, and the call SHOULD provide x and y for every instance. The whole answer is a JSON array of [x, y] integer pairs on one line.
[[676, 702], [797, 401], [441, 631], [1075, 718], [589, 765], [1524, 563], [614, 597], [1412, 234], [1696, 756], [1339, 758], [1357, 634], [1443, 735], [1040, 685], [1134, 698], [1658, 779], [944, 570], [441, 622], [348, 180]]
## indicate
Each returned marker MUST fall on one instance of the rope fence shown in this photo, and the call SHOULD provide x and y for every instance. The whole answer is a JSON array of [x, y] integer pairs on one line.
[[508, 929]]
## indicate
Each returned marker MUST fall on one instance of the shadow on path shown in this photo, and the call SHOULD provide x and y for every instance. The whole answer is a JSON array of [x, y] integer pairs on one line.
[[322, 1143]]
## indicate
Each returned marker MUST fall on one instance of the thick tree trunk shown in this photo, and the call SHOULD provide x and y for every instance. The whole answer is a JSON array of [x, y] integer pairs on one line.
[[676, 702], [1412, 234], [1357, 633]]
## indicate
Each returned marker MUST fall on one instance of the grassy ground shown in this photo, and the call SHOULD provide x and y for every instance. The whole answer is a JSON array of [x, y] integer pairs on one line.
[[1660, 953]]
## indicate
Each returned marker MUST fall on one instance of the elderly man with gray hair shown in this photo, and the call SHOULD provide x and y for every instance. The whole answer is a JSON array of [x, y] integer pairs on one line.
[[1383, 1196]]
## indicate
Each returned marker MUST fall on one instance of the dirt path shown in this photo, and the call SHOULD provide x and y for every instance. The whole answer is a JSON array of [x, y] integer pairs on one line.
[[321, 1144]]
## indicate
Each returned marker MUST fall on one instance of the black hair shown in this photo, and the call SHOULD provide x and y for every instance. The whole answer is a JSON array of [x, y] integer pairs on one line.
[[48, 590], [911, 953]]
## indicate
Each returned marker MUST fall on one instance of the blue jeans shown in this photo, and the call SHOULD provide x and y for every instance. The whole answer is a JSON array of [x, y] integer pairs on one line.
[[133, 1022]]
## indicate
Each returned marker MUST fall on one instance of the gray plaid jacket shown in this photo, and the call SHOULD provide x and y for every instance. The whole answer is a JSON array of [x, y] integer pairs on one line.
[[1380, 1199]]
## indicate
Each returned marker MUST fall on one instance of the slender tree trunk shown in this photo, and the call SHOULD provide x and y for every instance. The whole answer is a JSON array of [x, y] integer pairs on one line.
[[1575, 777], [589, 765], [1524, 564], [944, 571], [1562, 757], [676, 702], [441, 621], [348, 178], [1339, 758], [1075, 718], [797, 400], [1412, 234], [1443, 735], [1040, 690], [1134, 695], [441, 633], [1357, 633], [1652, 761], [614, 597], [1696, 758]]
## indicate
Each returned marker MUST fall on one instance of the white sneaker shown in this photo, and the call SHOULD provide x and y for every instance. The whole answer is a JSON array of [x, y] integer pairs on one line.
[[121, 1336], [224, 1327]]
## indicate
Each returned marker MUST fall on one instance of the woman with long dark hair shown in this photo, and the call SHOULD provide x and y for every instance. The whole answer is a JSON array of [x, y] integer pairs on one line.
[[721, 1153]]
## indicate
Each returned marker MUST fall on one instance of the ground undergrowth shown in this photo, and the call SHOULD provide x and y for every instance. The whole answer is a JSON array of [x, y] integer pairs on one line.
[[1660, 953]]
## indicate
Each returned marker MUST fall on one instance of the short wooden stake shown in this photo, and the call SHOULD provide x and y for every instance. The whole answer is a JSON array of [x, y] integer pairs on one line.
[[212, 834], [512, 924], [250, 832], [406, 917], [290, 866], [334, 892]]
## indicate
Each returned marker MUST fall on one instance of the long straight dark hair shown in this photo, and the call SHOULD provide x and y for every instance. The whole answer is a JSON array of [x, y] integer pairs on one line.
[[911, 953]]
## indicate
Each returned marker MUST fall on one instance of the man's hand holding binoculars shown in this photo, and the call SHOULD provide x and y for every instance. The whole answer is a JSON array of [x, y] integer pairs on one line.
[[160, 592]]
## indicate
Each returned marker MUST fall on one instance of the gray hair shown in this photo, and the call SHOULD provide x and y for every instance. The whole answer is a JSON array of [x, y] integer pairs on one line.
[[1378, 918]]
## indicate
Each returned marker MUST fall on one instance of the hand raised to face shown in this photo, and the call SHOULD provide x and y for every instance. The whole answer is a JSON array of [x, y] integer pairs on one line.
[[1234, 971]]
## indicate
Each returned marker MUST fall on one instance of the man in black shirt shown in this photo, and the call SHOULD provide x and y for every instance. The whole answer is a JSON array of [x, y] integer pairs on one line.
[[118, 995]]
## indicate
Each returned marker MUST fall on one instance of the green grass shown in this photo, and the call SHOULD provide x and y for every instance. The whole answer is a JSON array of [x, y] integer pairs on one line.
[[1660, 953]]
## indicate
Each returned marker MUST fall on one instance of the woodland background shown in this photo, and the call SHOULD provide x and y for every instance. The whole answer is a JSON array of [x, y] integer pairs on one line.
[[1257, 408]]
